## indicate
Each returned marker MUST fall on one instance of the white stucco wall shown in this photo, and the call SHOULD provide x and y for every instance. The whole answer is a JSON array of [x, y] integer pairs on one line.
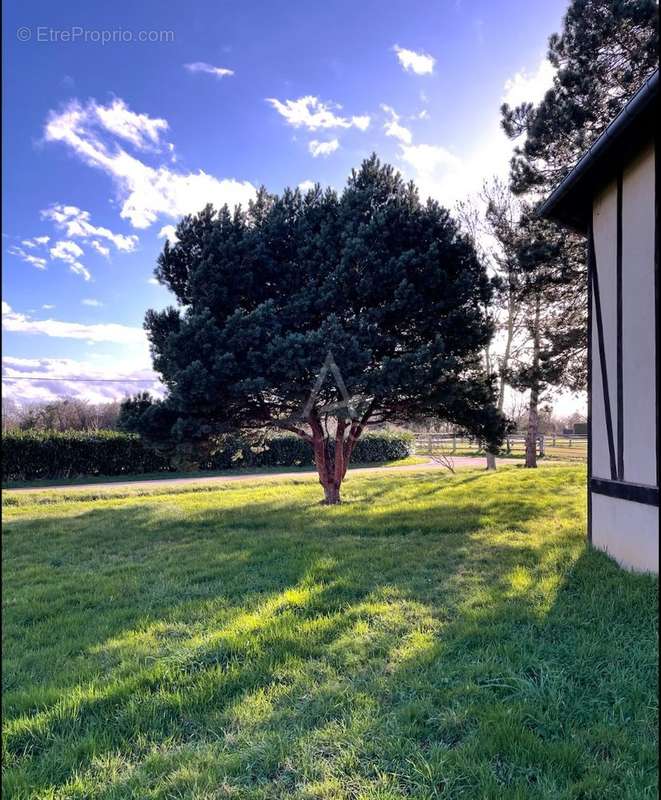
[[627, 531], [638, 346]]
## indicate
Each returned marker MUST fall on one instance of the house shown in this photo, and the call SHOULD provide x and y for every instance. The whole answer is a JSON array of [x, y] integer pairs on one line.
[[611, 196]]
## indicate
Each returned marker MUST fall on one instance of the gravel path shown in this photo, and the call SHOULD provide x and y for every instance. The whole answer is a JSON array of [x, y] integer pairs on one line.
[[458, 461]]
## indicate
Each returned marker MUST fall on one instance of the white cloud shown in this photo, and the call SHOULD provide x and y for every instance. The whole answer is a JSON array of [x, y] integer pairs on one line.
[[36, 261], [66, 251], [15, 322], [77, 224], [153, 281], [141, 130], [168, 232], [45, 379], [146, 192], [529, 87], [311, 113], [420, 63], [48, 306], [102, 250], [305, 186], [209, 69], [36, 241], [78, 269], [70, 252], [91, 301], [323, 148], [394, 129]]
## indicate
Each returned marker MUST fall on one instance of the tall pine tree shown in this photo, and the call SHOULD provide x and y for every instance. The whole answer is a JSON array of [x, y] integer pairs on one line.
[[606, 49]]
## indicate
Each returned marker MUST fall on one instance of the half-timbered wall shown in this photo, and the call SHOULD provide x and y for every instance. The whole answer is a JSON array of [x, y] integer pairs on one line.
[[623, 454]]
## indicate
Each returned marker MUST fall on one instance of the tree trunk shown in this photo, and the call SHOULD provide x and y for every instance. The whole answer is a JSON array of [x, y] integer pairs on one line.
[[332, 458], [491, 461], [533, 412], [331, 494]]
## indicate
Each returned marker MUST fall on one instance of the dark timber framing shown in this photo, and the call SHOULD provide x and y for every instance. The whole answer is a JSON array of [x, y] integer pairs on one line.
[[634, 492], [620, 378], [592, 266], [657, 316], [588, 489]]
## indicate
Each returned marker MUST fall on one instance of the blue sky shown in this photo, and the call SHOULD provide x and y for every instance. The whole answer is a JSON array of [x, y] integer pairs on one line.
[[106, 144]]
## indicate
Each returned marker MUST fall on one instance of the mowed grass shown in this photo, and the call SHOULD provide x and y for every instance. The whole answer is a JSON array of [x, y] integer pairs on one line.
[[435, 636]]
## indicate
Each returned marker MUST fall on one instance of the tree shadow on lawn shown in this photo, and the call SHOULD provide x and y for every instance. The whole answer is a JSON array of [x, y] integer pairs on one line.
[[390, 661]]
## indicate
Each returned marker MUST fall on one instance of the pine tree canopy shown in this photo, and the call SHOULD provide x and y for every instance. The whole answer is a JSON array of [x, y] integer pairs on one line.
[[605, 52], [385, 283]]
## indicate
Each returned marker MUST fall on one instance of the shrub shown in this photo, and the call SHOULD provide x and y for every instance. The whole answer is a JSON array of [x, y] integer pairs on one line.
[[29, 455]]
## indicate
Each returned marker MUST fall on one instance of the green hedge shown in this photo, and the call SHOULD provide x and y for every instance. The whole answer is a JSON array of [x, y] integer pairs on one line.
[[29, 455]]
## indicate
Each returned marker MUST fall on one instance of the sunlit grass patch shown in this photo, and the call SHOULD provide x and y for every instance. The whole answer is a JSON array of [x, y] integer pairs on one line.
[[433, 636]]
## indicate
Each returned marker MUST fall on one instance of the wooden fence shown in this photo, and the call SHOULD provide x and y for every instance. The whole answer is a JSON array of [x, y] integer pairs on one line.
[[555, 445]]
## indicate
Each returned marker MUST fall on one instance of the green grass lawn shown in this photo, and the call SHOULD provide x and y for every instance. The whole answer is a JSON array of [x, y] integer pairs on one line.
[[435, 636]]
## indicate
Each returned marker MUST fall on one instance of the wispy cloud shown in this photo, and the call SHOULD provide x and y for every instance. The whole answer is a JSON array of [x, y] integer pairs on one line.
[[36, 241], [209, 69], [311, 113], [146, 192], [92, 302], [19, 252], [393, 128], [141, 130], [70, 252], [305, 186], [77, 225], [15, 322], [101, 249], [323, 148], [411, 61], [45, 379]]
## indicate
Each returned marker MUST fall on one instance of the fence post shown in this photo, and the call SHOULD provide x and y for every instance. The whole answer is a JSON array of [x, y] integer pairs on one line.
[[541, 444]]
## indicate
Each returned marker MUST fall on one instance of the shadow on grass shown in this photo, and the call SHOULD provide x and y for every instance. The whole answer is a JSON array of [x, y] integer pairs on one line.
[[449, 649]]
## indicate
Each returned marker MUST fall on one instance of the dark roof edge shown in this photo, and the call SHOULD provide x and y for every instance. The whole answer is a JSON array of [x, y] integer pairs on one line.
[[638, 104]]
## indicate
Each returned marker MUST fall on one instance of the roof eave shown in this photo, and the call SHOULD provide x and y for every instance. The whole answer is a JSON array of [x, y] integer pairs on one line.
[[570, 201]]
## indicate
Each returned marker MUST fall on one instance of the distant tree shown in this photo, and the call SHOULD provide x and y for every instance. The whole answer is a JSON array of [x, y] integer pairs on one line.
[[386, 284], [64, 414], [603, 54], [11, 414], [548, 301], [491, 220]]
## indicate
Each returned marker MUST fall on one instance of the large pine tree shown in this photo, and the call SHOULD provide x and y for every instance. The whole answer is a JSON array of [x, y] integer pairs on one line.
[[386, 284]]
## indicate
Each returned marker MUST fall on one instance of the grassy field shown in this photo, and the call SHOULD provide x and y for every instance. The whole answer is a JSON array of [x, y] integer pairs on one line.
[[435, 636]]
